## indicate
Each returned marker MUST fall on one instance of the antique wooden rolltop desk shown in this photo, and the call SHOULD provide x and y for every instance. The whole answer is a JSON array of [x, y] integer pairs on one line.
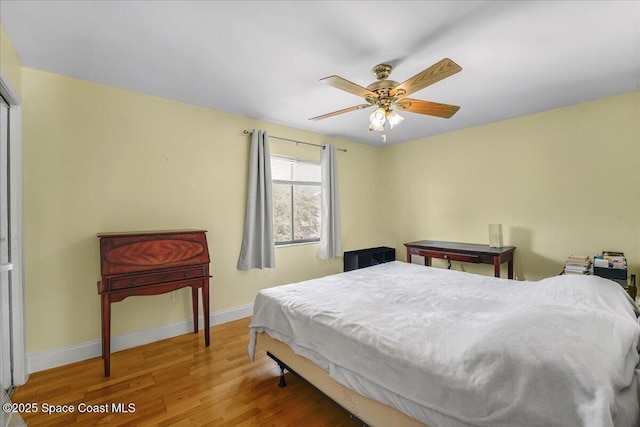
[[151, 263]]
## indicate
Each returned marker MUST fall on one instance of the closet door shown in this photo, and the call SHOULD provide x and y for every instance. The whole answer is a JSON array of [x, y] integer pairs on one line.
[[6, 267]]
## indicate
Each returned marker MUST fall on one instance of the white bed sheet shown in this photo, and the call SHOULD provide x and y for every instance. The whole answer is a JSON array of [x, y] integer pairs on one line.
[[562, 351]]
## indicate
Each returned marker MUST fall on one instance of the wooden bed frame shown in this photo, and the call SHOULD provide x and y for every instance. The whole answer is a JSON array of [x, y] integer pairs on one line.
[[365, 410]]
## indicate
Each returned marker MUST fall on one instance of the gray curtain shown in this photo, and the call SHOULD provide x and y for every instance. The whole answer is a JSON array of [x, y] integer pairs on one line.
[[330, 241], [258, 244]]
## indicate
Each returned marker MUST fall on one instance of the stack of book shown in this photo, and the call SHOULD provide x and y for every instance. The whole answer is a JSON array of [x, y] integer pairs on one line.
[[578, 264]]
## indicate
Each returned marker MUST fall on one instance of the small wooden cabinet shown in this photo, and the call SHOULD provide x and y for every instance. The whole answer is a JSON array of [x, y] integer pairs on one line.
[[151, 263], [362, 258]]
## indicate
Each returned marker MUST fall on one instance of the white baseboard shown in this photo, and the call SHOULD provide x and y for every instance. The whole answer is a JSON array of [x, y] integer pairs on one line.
[[74, 353]]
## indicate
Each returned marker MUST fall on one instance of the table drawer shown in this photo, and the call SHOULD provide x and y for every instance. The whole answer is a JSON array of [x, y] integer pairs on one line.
[[452, 256], [149, 279]]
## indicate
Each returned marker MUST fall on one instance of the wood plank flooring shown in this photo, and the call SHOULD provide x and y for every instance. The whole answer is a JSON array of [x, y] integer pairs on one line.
[[180, 382]]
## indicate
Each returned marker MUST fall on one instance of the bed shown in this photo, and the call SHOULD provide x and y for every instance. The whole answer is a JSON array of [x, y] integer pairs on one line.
[[404, 344]]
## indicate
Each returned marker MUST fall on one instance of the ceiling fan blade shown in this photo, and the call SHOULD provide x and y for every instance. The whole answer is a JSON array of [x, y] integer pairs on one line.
[[346, 85], [427, 107], [431, 75], [346, 110]]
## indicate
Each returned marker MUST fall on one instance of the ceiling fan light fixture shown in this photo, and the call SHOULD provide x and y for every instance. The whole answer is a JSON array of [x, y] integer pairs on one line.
[[394, 118], [376, 127], [377, 118]]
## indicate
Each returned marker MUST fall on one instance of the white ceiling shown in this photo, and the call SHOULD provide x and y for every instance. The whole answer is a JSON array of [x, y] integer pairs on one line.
[[264, 59]]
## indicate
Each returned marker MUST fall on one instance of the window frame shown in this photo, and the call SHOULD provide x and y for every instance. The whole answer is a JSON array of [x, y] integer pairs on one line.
[[292, 184]]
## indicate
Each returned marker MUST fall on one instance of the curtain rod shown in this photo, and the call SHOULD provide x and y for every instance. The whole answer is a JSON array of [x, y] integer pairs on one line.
[[248, 132]]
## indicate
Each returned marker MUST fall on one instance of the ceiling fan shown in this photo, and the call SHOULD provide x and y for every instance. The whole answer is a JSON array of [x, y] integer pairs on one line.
[[385, 94]]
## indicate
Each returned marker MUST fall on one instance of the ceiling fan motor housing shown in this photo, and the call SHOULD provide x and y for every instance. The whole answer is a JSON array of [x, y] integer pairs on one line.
[[382, 88]]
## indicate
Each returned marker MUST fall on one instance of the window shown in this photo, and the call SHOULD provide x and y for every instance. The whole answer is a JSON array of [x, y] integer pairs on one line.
[[296, 200]]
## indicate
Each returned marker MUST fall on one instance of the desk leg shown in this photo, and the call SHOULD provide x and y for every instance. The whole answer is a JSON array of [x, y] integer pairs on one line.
[[194, 304], [105, 308], [510, 268], [205, 308], [496, 266]]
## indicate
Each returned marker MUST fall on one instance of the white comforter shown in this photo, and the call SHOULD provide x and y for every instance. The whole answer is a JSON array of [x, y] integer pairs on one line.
[[562, 351]]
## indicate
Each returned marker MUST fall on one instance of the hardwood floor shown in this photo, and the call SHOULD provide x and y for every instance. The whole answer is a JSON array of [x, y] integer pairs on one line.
[[180, 382]]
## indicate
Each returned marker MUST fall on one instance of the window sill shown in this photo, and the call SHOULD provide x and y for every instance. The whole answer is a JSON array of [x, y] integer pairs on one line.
[[288, 245]]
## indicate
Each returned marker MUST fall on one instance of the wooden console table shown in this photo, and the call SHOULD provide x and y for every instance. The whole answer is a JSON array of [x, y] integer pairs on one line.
[[151, 263], [463, 252]]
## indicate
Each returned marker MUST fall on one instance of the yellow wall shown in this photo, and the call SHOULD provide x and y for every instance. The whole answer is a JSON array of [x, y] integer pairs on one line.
[[10, 62], [101, 159], [560, 182]]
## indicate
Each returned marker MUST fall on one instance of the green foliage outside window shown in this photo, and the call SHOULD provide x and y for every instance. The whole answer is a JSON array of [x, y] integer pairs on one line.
[[296, 203]]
